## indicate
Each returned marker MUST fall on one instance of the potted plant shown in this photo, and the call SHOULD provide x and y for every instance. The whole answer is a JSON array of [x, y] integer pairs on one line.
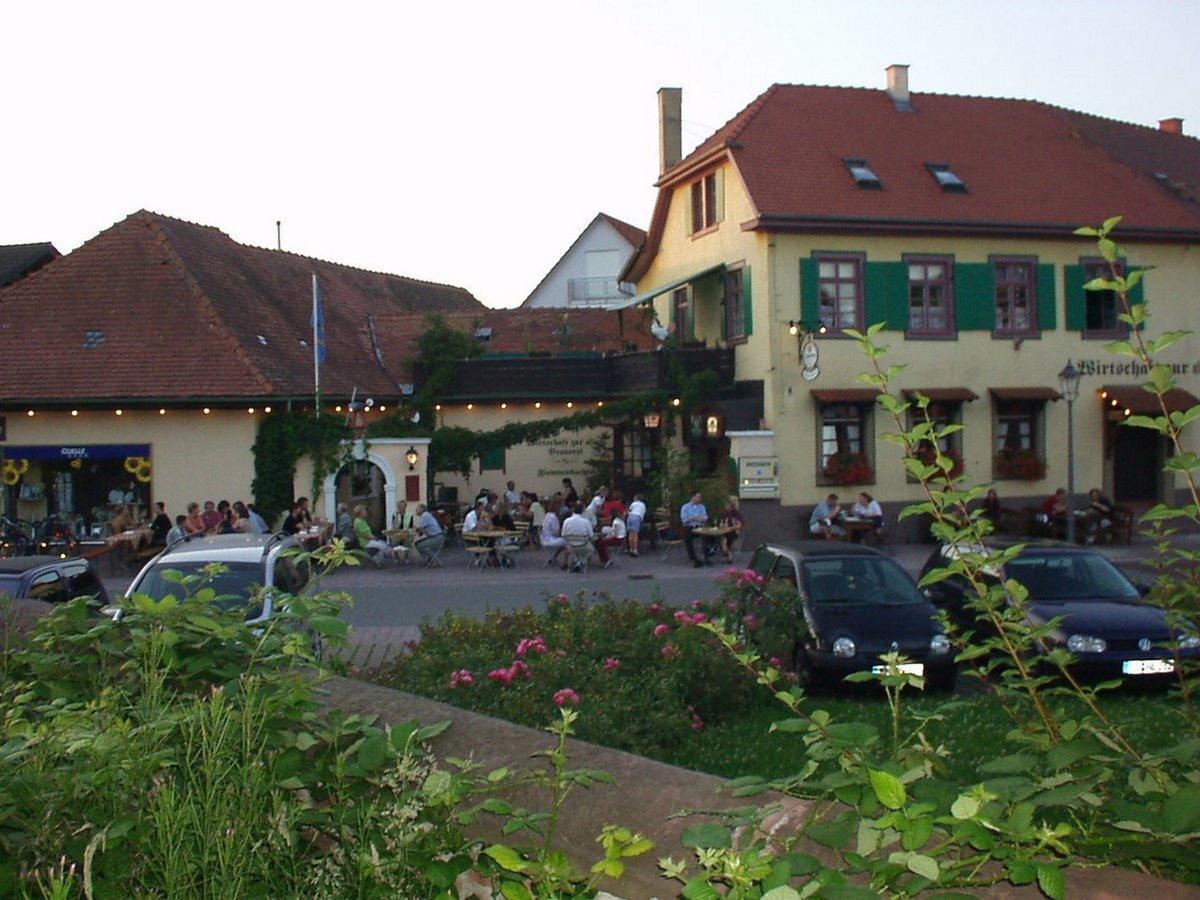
[[1019, 464], [849, 468]]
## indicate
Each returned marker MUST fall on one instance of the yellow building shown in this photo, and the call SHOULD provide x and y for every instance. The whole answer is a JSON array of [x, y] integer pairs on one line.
[[949, 218]]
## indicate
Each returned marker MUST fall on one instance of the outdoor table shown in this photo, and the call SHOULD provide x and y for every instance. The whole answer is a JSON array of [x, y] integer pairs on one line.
[[854, 525], [314, 535], [130, 540], [714, 531], [401, 537], [490, 537]]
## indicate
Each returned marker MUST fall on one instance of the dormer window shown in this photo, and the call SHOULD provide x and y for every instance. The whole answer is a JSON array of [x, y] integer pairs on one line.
[[862, 174], [483, 334], [946, 178]]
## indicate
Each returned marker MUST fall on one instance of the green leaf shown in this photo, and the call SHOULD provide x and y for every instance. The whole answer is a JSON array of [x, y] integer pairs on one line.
[[888, 788], [965, 807], [1111, 223], [515, 890], [371, 752], [707, 835], [1157, 423], [835, 834], [783, 892], [699, 889], [1009, 765], [506, 857], [1181, 810], [925, 866], [429, 732], [329, 626], [1050, 880]]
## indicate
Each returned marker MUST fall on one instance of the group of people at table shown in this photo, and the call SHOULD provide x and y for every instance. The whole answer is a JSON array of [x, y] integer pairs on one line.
[[215, 518]]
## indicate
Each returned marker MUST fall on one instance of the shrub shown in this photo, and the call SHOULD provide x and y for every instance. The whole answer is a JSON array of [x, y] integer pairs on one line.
[[645, 676]]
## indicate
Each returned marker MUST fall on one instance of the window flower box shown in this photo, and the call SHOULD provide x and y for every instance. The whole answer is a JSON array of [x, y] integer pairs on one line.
[[1019, 465], [848, 468]]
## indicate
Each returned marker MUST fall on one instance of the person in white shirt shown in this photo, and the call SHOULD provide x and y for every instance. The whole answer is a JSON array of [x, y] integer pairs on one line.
[[867, 508], [614, 536], [511, 494], [577, 525], [551, 535], [637, 513], [471, 522]]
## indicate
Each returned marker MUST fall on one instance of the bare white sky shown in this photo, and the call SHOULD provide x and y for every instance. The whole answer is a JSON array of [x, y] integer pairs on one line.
[[471, 142]]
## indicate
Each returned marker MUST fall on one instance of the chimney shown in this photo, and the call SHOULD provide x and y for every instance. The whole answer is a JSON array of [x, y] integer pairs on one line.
[[897, 86], [670, 127], [1171, 126]]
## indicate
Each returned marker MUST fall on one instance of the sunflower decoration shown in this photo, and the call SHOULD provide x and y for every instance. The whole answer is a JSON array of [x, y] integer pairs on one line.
[[131, 464], [13, 470], [77, 463], [143, 471]]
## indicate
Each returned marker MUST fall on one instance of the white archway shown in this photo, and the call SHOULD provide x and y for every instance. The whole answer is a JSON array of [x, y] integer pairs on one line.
[[329, 491]]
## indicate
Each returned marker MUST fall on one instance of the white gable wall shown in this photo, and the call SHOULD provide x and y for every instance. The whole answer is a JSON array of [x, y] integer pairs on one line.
[[592, 262]]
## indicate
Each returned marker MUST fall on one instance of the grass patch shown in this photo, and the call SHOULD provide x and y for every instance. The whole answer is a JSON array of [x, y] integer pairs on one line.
[[973, 731]]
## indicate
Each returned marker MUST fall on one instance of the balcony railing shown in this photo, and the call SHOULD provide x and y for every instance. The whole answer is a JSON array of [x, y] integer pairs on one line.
[[595, 291]]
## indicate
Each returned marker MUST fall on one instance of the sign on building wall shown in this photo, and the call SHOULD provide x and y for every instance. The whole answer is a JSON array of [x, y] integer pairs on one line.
[[758, 477]]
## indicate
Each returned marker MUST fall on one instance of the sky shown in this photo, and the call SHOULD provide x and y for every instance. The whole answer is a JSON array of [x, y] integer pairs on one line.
[[470, 143]]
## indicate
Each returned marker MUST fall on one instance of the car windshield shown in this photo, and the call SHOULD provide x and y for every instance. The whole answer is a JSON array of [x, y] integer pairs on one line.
[[235, 585], [1070, 576], [10, 585], [858, 579]]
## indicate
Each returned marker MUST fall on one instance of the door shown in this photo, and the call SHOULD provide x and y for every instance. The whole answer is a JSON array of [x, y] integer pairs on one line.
[[1137, 465]]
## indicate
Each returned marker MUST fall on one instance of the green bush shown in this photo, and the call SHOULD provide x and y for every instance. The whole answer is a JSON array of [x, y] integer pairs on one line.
[[646, 675], [181, 753]]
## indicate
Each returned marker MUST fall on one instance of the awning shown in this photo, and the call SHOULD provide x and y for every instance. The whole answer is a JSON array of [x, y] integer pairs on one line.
[[1143, 403], [846, 395], [73, 451], [1036, 392], [670, 286], [943, 394]]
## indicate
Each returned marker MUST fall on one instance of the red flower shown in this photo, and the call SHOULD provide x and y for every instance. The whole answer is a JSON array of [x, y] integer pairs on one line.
[[566, 697]]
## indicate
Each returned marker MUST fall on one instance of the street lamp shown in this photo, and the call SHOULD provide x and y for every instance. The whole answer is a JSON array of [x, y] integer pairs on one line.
[[1068, 386]]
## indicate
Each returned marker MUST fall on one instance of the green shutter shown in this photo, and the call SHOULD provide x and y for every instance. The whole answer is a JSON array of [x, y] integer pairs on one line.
[[492, 459], [1076, 297], [975, 296], [1047, 297], [886, 286], [719, 185], [810, 293], [747, 304]]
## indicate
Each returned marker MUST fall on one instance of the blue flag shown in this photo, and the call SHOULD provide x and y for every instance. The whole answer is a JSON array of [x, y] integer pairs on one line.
[[318, 324]]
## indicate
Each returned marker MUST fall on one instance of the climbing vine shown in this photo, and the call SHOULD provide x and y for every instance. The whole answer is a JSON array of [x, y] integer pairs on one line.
[[282, 439]]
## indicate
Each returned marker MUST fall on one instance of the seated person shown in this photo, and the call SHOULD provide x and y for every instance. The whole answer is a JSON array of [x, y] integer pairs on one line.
[[577, 527], [502, 516], [550, 535], [432, 536], [693, 515], [731, 517], [1098, 514], [160, 526], [179, 532], [344, 528], [121, 521], [365, 538], [868, 509], [472, 520], [612, 535], [824, 519], [1055, 506], [992, 510]]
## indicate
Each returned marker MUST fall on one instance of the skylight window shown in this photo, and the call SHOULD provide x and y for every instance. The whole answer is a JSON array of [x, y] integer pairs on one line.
[[92, 338], [262, 340], [862, 174], [483, 334], [946, 178]]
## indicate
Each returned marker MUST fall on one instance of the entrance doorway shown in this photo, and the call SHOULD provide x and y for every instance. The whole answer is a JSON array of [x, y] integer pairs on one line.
[[1137, 465], [362, 483]]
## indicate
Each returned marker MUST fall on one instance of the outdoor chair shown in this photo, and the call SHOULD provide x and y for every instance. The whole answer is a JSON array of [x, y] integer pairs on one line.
[[579, 552], [477, 555], [430, 549], [668, 537]]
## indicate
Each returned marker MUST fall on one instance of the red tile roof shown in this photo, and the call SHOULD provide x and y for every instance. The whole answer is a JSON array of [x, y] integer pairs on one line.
[[631, 233], [1028, 167], [523, 331], [158, 309]]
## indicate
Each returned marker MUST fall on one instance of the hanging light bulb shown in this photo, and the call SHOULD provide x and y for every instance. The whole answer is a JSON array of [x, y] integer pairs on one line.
[[119, 412]]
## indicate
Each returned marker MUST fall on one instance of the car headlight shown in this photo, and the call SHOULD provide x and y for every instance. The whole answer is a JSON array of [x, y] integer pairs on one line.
[[1085, 643], [939, 644], [1189, 643], [843, 646]]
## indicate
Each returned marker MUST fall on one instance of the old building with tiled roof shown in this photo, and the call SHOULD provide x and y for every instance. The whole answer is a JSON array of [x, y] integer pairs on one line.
[[18, 260], [949, 219]]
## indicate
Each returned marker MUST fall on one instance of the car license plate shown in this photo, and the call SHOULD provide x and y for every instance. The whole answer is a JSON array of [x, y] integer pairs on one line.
[[1148, 667], [904, 668]]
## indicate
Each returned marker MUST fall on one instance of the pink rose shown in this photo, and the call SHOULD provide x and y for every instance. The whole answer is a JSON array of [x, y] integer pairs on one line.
[[669, 651], [750, 621], [463, 677], [681, 616], [566, 697], [697, 723], [611, 663], [503, 676], [537, 644], [698, 618], [654, 608], [562, 598], [775, 663], [661, 629]]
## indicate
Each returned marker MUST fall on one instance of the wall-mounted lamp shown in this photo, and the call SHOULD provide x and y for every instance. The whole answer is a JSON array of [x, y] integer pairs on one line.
[[411, 457], [651, 420], [796, 327], [712, 426]]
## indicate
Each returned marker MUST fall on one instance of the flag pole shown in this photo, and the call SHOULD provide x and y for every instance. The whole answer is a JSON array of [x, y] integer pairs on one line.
[[316, 323]]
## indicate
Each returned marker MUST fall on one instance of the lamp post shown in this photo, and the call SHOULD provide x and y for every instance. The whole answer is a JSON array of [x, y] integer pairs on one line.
[[1068, 385]]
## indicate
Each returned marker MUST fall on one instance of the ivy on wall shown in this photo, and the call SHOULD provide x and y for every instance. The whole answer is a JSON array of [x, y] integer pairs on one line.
[[283, 438]]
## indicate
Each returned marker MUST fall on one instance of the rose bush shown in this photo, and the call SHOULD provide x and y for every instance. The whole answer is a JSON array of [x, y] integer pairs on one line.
[[643, 677]]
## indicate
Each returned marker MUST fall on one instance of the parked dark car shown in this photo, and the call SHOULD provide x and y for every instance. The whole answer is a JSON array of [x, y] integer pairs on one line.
[[51, 579], [1105, 622], [857, 604]]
